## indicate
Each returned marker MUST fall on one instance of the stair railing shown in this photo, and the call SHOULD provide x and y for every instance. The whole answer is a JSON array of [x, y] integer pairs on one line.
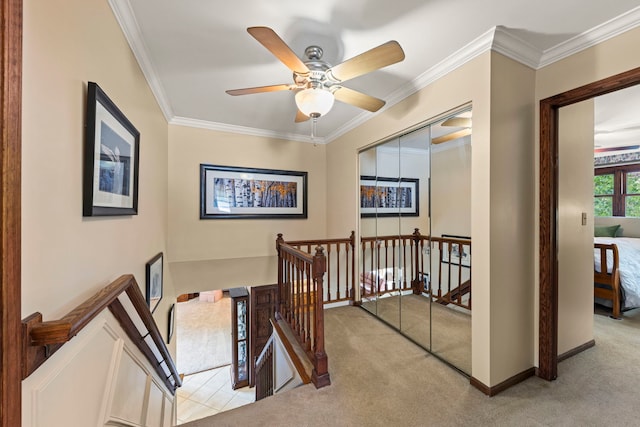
[[40, 339], [300, 303]]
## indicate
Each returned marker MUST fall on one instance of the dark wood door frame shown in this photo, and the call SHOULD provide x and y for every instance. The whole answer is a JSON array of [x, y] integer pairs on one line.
[[548, 310], [10, 172]]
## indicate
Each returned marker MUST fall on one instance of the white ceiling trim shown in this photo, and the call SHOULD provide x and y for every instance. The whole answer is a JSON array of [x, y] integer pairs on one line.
[[127, 20], [457, 59], [618, 25], [244, 130], [509, 45]]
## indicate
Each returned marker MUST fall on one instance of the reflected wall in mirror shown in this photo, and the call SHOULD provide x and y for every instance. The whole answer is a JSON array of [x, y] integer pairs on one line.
[[412, 275]]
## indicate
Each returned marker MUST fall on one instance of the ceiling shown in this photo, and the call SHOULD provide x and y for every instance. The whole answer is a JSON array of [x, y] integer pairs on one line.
[[191, 51]]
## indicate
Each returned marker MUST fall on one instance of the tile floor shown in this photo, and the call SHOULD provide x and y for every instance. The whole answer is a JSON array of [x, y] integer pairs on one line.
[[208, 393]]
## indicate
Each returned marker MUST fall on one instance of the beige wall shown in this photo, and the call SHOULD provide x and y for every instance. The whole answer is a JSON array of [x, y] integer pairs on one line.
[[192, 239], [512, 217], [603, 60], [575, 241], [67, 258]]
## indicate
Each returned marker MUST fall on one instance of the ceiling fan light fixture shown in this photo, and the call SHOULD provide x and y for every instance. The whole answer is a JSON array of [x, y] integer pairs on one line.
[[313, 102]]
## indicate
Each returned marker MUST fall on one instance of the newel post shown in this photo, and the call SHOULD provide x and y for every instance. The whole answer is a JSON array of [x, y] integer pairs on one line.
[[415, 280], [280, 297], [320, 373]]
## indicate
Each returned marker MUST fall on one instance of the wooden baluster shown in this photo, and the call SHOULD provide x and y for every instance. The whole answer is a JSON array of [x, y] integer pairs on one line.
[[459, 299], [440, 270], [310, 289], [416, 267], [328, 275], [352, 247], [338, 258]]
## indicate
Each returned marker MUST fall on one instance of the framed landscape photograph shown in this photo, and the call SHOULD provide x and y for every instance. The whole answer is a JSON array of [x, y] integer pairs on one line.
[[154, 280], [112, 147], [250, 193], [387, 197]]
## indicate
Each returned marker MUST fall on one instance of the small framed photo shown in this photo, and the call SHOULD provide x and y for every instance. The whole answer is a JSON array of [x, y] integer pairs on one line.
[[172, 320], [112, 147], [250, 193], [388, 197], [154, 281]]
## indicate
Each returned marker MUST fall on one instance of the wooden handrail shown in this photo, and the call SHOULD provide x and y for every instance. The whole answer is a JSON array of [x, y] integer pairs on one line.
[[340, 280], [40, 340]]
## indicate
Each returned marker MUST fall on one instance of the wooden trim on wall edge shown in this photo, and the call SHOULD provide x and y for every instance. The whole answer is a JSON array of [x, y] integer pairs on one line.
[[10, 211], [492, 391]]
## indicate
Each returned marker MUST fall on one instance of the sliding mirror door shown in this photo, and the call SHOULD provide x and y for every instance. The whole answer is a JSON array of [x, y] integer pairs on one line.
[[415, 228], [415, 305], [380, 226], [451, 247]]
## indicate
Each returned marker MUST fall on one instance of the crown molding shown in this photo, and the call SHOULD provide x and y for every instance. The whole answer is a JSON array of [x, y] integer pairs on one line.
[[127, 20], [468, 52], [511, 46], [616, 26], [244, 130]]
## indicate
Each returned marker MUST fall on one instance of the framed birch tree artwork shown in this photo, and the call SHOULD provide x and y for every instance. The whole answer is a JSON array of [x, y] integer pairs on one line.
[[251, 193]]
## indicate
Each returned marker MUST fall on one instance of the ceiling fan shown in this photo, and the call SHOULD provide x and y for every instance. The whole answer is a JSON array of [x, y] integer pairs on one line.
[[316, 83], [461, 121]]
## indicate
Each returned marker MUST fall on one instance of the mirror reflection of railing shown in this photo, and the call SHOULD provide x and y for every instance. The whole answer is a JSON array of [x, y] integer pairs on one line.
[[394, 264]]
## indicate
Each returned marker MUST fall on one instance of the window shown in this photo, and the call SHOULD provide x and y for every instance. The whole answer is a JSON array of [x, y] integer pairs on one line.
[[617, 191]]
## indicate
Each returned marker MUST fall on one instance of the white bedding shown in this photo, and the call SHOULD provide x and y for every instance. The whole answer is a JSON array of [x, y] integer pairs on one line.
[[629, 254]]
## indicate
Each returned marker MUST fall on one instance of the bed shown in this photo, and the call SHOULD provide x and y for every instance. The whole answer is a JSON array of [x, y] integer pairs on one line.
[[617, 282]]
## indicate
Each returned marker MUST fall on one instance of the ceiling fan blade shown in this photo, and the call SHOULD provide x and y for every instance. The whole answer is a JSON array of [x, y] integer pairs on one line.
[[260, 89], [359, 99], [461, 122], [371, 60], [451, 136], [274, 44], [301, 117]]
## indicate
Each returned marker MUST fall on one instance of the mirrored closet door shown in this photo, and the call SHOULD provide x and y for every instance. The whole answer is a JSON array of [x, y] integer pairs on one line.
[[415, 236]]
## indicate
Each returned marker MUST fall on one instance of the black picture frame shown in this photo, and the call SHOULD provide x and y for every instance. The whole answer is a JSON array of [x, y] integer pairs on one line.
[[111, 158], [154, 281], [405, 191], [171, 323], [229, 192]]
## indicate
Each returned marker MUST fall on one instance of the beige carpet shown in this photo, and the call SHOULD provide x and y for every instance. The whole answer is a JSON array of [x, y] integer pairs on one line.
[[380, 378], [203, 331]]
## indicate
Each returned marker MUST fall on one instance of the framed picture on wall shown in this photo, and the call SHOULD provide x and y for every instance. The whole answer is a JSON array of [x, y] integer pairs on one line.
[[112, 147], [235, 192], [171, 323], [456, 253], [154, 280], [387, 197]]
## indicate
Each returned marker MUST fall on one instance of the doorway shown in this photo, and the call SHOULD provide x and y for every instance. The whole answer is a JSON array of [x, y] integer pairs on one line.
[[548, 227]]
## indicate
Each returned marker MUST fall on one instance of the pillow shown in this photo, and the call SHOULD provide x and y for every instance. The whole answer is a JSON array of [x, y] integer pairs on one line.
[[606, 231]]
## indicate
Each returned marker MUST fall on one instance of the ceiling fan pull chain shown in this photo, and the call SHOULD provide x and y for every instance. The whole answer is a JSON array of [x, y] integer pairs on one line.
[[314, 122]]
